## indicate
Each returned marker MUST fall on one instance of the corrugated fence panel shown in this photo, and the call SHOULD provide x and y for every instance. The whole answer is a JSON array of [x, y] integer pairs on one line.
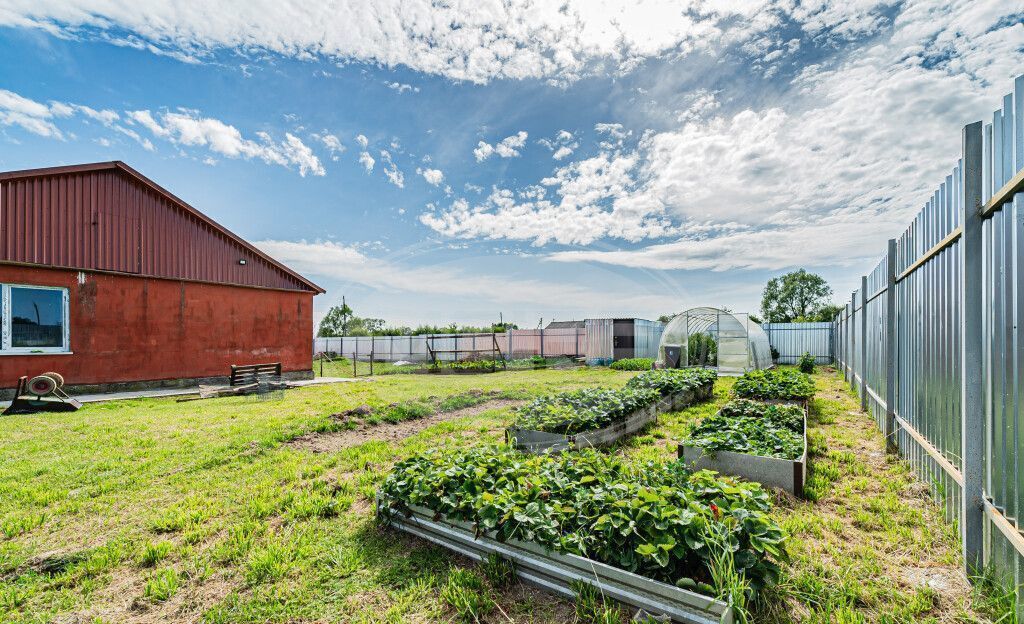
[[928, 353], [792, 340], [647, 337], [875, 361], [1003, 305]]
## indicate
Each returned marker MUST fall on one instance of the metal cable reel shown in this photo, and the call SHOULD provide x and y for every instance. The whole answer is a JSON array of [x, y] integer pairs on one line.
[[42, 393], [45, 384]]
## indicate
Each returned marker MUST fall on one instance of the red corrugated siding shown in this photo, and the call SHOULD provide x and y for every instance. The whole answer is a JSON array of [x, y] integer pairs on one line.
[[108, 221], [126, 328]]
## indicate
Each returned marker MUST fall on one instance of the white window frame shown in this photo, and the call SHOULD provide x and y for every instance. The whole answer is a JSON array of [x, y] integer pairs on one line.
[[5, 325]]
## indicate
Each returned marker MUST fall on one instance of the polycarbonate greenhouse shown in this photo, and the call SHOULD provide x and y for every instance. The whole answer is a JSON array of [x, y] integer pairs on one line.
[[729, 341]]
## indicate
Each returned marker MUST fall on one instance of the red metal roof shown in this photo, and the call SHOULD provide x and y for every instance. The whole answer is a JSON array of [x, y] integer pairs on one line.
[[109, 217]]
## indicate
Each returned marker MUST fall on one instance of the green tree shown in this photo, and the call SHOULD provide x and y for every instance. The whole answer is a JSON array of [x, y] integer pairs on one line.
[[797, 296], [335, 322]]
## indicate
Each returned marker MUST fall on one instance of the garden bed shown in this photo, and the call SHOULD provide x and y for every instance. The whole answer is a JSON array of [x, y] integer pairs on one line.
[[655, 535], [556, 573], [787, 473], [595, 418]]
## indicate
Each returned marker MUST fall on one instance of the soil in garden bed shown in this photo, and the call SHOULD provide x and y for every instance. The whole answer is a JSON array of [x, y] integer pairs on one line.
[[365, 432]]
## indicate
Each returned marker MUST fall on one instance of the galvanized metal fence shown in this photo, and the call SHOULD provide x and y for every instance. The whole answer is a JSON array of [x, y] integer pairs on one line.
[[933, 342], [792, 340], [514, 344]]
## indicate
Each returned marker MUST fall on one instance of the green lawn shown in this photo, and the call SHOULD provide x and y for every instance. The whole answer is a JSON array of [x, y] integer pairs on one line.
[[154, 510]]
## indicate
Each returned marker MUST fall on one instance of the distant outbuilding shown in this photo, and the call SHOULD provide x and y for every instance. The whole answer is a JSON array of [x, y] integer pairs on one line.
[[117, 284]]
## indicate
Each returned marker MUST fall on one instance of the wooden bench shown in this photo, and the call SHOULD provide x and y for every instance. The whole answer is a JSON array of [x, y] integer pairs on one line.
[[248, 374]]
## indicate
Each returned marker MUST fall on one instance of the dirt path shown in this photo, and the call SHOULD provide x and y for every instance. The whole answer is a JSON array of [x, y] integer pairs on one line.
[[388, 432]]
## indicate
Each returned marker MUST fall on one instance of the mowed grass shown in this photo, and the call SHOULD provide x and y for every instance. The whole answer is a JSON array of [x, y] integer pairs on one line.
[[201, 511]]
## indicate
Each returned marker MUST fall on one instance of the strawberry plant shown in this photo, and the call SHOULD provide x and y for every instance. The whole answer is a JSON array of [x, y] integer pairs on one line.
[[651, 518], [752, 427], [673, 380], [582, 410], [774, 383]]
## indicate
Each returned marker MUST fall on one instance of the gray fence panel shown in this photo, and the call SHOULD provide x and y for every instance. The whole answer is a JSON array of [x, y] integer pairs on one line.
[[792, 340], [929, 332]]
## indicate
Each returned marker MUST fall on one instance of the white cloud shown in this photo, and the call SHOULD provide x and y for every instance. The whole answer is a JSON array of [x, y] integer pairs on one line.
[[38, 118], [562, 152], [434, 177], [188, 128], [401, 87], [478, 42], [562, 145], [596, 200], [32, 116], [362, 141], [391, 171], [366, 161], [506, 148], [332, 143], [830, 169]]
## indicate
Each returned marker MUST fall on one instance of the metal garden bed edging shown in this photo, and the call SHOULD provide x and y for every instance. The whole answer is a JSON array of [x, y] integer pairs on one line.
[[555, 572], [533, 441], [785, 474]]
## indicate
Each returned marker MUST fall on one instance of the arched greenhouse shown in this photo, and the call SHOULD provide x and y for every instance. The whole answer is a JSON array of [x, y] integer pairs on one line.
[[711, 337]]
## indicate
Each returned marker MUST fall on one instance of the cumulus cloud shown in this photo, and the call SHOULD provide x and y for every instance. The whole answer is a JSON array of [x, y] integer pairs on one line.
[[391, 171], [833, 168], [402, 87], [366, 161], [30, 115], [434, 177], [190, 129], [38, 118], [332, 143], [506, 148], [513, 39], [595, 200], [562, 145], [362, 140]]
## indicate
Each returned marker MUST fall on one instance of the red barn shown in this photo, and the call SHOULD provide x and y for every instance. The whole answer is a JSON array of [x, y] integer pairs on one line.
[[117, 284]]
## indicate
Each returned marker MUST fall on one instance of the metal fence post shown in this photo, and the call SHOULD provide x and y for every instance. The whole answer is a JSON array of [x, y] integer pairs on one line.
[[542, 343], [973, 426], [864, 342], [853, 341], [890, 349]]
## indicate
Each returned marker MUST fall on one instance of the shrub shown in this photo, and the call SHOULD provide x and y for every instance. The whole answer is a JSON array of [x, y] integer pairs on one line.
[[752, 427], [774, 383], [649, 518], [673, 380], [582, 410], [807, 362], [632, 364]]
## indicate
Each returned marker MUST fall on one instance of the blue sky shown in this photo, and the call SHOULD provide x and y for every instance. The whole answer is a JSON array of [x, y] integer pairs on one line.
[[438, 163]]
